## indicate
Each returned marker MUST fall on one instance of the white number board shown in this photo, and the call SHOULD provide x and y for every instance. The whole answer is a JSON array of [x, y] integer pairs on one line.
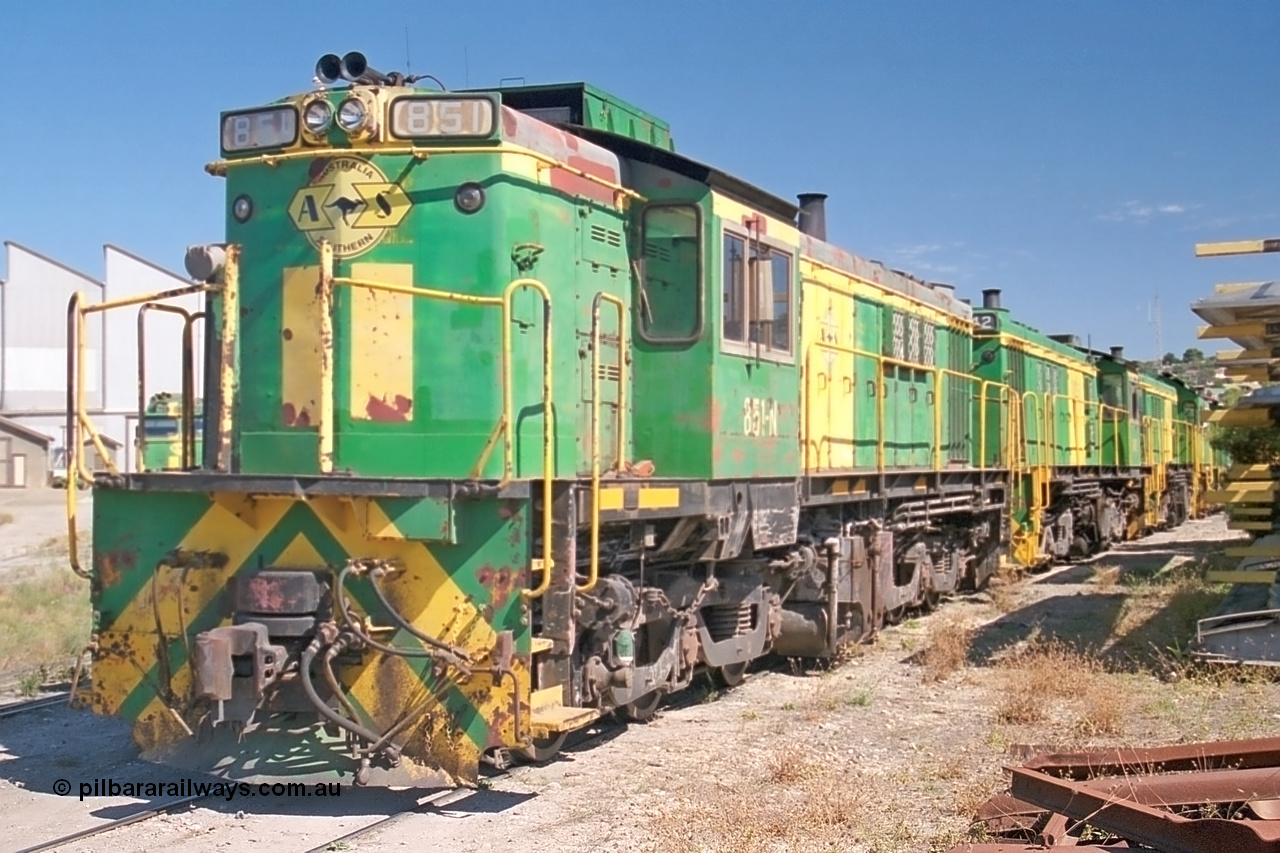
[[260, 129], [418, 117]]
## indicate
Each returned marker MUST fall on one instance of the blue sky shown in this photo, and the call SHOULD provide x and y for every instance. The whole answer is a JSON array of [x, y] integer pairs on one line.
[[1071, 153]]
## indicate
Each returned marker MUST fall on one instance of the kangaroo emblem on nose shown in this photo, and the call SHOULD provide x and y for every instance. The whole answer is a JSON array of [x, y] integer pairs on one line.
[[346, 206]]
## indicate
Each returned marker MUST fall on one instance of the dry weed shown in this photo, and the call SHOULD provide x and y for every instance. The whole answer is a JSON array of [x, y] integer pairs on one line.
[[1038, 675], [814, 807], [1104, 710], [6, 518], [1021, 707], [948, 649], [971, 797], [788, 766], [1106, 577]]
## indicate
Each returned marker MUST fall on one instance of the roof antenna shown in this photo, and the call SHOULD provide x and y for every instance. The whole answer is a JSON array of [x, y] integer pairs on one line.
[[408, 68]]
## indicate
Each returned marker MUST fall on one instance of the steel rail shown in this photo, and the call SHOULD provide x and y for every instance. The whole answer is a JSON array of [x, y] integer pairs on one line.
[[127, 820], [16, 708]]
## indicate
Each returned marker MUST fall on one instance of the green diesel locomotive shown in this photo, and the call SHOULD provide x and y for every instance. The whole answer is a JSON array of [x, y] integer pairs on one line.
[[515, 417]]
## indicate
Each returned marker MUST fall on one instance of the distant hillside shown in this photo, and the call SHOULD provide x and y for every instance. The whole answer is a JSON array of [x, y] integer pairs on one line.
[[1203, 373]]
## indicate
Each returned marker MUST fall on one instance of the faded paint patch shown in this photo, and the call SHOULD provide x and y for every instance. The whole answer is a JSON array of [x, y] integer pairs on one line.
[[568, 182], [300, 346], [382, 345]]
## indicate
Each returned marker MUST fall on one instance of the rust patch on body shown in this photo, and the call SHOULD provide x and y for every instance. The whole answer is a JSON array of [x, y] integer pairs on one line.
[[292, 417], [108, 565], [500, 582], [381, 410]]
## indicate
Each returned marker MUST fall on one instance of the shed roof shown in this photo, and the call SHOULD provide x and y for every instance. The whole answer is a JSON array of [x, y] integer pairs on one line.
[[14, 428]]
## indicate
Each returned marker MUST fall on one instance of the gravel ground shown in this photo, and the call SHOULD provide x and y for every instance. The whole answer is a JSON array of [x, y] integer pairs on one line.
[[883, 752], [39, 524]]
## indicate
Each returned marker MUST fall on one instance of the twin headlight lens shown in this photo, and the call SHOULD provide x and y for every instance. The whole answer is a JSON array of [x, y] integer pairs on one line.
[[352, 116], [318, 116]]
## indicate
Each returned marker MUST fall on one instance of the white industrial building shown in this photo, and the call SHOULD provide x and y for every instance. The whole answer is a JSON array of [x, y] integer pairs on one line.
[[34, 300]]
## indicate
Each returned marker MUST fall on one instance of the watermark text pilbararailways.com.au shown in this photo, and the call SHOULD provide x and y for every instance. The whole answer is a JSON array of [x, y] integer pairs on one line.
[[202, 788]]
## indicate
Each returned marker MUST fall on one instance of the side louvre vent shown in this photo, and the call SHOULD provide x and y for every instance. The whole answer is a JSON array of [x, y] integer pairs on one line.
[[606, 235]]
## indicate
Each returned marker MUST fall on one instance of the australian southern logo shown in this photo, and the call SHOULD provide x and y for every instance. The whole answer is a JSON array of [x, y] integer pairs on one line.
[[348, 202]]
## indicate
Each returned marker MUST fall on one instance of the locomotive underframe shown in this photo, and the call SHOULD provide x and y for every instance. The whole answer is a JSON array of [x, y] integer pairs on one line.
[[719, 574]]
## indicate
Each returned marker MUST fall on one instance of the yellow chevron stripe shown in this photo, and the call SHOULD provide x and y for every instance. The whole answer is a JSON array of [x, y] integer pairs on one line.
[[221, 528]]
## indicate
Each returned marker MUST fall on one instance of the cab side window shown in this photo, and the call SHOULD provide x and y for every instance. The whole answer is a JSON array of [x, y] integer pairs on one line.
[[756, 295]]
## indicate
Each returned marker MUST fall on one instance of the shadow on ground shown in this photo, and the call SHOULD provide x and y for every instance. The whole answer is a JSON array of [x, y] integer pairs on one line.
[[1142, 619]]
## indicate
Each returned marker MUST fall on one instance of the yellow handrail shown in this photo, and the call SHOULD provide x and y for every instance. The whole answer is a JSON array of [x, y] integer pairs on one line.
[[620, 456], [187, 442], [78, 422], [328, 428], [548, 415], [1001, 400], [507, 421], [228, 345], [219, 167]]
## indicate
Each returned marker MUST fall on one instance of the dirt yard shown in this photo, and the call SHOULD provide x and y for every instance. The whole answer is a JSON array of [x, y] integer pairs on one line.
[[890, 751], [35, 520]]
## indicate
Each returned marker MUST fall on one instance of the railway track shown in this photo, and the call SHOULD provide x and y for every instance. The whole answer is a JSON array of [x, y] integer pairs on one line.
[[15, 708], [448, 797], [437, 800], [118, 823]]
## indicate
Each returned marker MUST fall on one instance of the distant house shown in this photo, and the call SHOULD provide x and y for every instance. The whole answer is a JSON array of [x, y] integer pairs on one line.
[[94, 460], [24, 456]]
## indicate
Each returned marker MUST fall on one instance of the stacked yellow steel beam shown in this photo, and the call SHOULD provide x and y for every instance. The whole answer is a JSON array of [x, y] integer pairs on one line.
[[1248, 314]]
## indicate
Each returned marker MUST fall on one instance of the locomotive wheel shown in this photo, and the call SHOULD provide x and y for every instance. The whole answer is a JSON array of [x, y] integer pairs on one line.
[[931, 600], [643, 709], [542, 749], [731, 675]]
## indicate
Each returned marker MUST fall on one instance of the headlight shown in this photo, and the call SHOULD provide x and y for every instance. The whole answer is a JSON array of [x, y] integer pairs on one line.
[[469, 198], [352, 115], [317, 116]]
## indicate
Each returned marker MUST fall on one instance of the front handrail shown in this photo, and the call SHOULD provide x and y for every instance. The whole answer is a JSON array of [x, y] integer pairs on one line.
[[218, 168], [593, 575], [187, 443], [78, 423], [506, 422]]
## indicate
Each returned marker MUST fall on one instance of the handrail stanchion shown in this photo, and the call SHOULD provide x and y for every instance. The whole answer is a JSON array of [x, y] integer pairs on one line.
[[593, 575], [325, 444]]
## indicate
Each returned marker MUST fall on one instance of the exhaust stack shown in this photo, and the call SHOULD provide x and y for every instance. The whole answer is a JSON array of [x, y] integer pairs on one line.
[[991, 298], [813, 215], [1117, 352]]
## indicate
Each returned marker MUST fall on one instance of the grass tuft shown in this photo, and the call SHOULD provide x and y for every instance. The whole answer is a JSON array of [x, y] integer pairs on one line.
[[1106, 577], [802, 804], [948, 649], [44, 620]]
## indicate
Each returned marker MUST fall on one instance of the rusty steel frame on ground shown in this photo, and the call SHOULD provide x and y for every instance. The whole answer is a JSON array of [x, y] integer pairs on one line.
[[1190, 798]]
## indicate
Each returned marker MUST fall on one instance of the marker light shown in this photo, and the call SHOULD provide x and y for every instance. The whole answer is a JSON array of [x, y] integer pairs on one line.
[[242, 208], [469, 197], [352, 115], [317, 116]]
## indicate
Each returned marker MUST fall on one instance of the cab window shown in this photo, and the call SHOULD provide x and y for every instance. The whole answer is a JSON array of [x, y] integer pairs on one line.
[[670, 303], [756, 296]]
